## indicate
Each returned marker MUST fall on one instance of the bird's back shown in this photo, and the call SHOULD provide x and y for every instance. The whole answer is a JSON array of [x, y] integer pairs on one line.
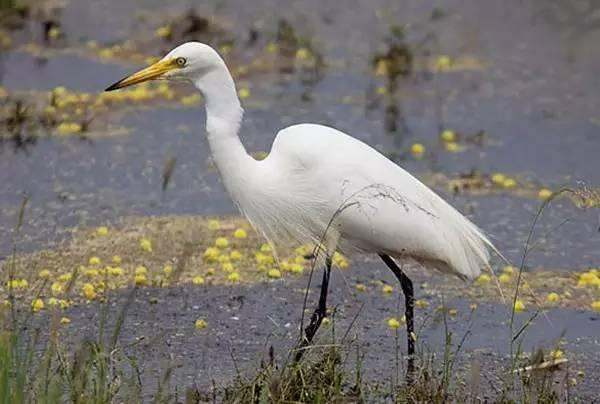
[[321, 173]]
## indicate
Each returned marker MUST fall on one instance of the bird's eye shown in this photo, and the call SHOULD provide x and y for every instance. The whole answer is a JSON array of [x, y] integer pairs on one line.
[[180, 62]]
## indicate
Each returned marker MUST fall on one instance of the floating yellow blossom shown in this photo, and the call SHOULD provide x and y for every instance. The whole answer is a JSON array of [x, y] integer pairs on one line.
[[498, 178], [65, 277], [163, 32], [244, 93], [116, 259], [483, 279], [443, 63], [191, 99], [544, 193], [452, 147], [224, 258], [17, 284], [102, 231], [393, 323], [64, 304], [265, 248], [296, 268], [421, 304], [552, 297], [448, 135], [233, 277], [509, 183], [214, 225], [240, 233], [211, 254], [274, 273], [227, 267], [141, 270], [56, 288], [89, 291], [37, 305], [221, 242], [417, 150], [198, 280], [509, 269], [453, 312], [210, 272], [94, 261], [68, 128], [200, 324], [504, 278], [326, 321], [52, 301], [387, 289], [115, 271], [557, 354], [146, 245], [589, 278], [91, 273], [272, 47], [44, 274], [302, 54], [141, 280], [595, 305], [519, 306], [361, 287], [168, 270], [65, 320], [235, 255]]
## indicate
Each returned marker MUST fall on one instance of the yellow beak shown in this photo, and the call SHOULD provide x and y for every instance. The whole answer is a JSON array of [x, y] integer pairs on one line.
[[151, 72]]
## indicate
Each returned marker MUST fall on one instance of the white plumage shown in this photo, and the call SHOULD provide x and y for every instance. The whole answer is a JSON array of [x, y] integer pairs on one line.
[[319, 185]]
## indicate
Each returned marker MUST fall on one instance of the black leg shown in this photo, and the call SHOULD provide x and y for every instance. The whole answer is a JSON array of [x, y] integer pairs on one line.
[[318, 315], [409, 297]]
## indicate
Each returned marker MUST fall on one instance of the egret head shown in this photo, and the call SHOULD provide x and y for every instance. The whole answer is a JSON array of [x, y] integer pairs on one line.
[[189, 62]]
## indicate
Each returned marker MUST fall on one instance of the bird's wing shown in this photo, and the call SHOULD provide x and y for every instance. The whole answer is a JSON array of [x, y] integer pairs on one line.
[[383, 207]]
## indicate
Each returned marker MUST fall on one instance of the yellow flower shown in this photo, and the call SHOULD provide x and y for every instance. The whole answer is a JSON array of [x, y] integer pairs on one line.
[[544, 193], [94, 261], [102, 231], [141, 270], [263, 259], [91, 273], [509, 183], [393, 323], [483, 279], [227, 267], [65, 320], [421, 304], [210, 272], [556, 354], [64, 303], [146, 245], [233, 277], [272, 47], [44, 274], [589, 278], [274, 273], [519, 306], [198, 280], [509, 270], [168, 270], [498, 178], [56, 288], [302, 54], [302, 250], [360, 287], [53, 301], [163, 32], [224, 258], [68, 128], [417, 150], [240, 233], [89, 291], [235, 255], [326, 321], [244, 93], [387, 289], [116, 259], [448, 136], [453, 312], [191, 99], [211, 254], [115, 271], [221, 242], [552, 297], [214, 225], [595, 305], [65, 277], [504, 278], [265, 248], [141, 280], [17, 284], [443, 63], [381, 90], [200, 324], [37, 305], [296, 268], [452, 147]]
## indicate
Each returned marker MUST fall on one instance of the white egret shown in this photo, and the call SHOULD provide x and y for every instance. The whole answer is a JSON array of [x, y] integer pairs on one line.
[[321, 186]]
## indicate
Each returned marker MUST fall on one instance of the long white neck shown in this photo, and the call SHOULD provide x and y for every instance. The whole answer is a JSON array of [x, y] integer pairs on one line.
[[223, 119]]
